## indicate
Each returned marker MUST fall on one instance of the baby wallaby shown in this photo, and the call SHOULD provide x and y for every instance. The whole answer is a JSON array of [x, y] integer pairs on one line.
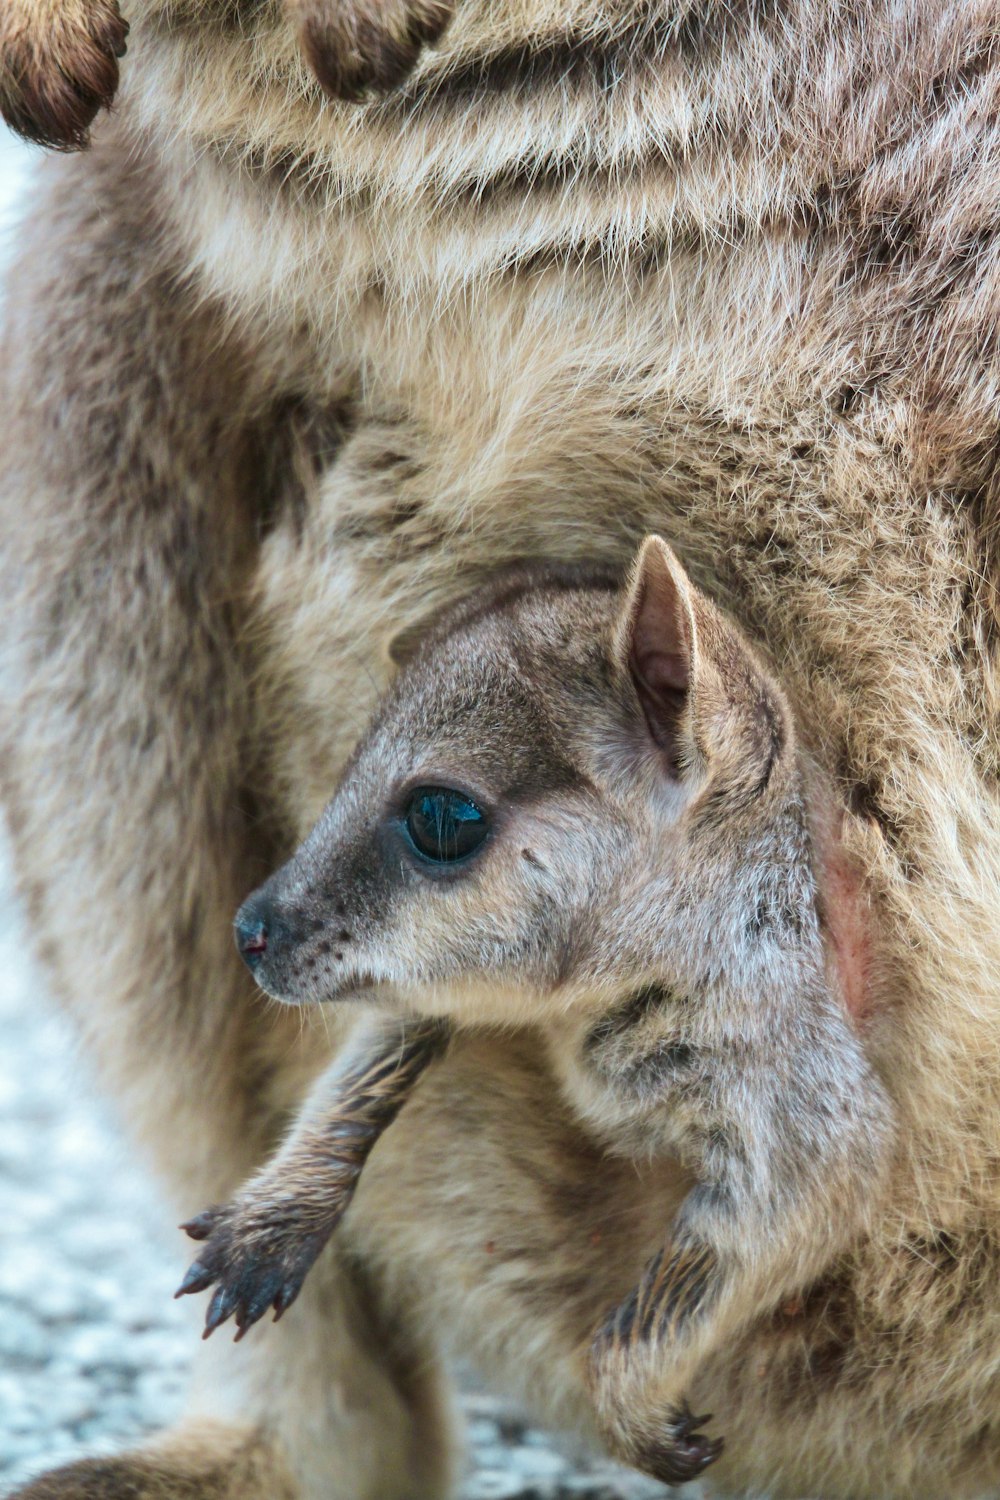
[[585, 808]]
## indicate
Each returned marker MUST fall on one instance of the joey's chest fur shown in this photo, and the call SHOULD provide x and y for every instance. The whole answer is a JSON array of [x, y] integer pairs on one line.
[[656, 1072], [618, 1070]]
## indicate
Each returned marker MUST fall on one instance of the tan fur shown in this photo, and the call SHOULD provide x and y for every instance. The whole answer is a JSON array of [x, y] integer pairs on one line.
[[205, 1460], [281, 376]]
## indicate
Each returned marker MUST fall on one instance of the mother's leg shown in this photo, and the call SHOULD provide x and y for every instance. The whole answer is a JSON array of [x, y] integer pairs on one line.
[[135, 485]]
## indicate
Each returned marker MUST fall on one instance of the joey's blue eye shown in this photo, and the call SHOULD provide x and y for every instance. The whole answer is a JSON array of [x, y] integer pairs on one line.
[[444, 825]]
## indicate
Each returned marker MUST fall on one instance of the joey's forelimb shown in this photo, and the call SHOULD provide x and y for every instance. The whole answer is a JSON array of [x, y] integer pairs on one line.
[[676, 1287], [259, 1248], [736, 1246]]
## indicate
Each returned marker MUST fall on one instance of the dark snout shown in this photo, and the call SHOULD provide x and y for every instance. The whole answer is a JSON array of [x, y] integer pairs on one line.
[[305, 933], [279, 945], [264, 932], [298, 953]]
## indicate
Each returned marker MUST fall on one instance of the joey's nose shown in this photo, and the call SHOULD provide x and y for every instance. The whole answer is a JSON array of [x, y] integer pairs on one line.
[[253, 928]]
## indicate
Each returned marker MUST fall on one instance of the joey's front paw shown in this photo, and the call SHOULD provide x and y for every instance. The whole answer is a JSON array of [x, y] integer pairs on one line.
[[254, 1263], [58, 67], [359, 46]]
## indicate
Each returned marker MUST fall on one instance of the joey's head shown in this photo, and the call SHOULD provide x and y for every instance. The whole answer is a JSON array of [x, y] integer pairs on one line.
[[572, 788]]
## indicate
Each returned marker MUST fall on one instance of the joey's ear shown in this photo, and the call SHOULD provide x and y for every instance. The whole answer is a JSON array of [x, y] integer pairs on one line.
[[656, 642], [406, 643], [705, 693]]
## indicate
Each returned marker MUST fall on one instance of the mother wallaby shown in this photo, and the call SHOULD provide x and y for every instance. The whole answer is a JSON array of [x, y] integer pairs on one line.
[[282, 375]]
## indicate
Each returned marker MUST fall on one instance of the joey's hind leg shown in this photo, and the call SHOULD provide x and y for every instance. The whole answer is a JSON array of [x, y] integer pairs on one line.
[[260, 1246], [651, 1330]]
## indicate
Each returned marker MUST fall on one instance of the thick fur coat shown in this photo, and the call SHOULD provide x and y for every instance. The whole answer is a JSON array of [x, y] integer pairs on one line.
[[283, 374]]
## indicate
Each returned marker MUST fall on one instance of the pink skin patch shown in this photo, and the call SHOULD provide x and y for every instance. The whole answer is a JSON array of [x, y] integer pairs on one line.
[[845, 910]]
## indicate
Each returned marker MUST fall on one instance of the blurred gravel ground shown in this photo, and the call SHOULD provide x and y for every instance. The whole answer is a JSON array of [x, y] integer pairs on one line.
[[93, 1350]]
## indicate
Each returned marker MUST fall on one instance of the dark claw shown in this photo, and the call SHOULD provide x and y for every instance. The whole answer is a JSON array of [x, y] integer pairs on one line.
[[201, 1226], [700, 1453], [222, 1305], [253, 1309], [251, 1273], [196, 1279], [285, 1296], [685, 1454]]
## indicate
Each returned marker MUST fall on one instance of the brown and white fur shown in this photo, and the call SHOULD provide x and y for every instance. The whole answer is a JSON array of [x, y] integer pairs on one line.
[[643, 888], [59, 65], [280, 377], [59, 58]]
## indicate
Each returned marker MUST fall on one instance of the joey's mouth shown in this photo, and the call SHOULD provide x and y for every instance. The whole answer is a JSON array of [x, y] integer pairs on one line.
[[297, 958], [355, 985]]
